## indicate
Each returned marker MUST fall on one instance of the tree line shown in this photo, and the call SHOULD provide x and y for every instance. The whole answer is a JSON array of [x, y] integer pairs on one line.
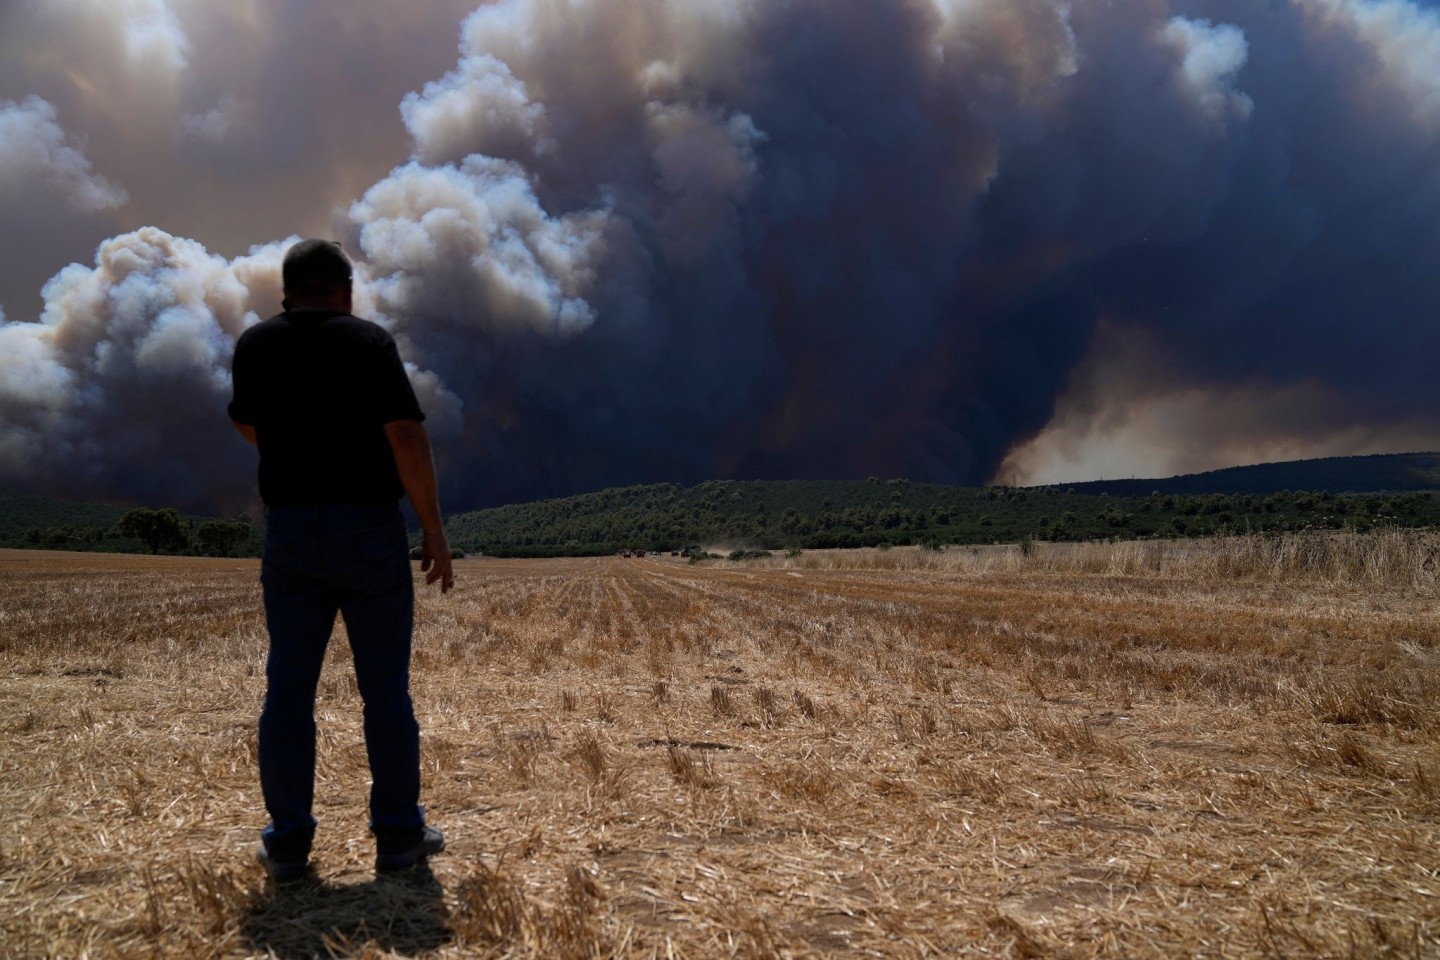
[[163, 530]]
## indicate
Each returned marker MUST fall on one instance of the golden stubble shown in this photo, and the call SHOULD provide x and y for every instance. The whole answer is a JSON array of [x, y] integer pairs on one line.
[[1060, 753]]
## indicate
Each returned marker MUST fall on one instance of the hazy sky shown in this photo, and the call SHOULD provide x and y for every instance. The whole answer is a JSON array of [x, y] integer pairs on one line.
[[635, 240]]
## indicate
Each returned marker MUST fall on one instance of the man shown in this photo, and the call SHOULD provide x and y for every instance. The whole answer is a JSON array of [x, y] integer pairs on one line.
[[326, 399]]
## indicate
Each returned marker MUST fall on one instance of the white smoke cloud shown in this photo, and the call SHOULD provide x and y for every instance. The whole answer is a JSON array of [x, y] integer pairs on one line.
[[1211, 57], [152, 32], [120, 380], [218, 123], [478, 108], [472, 242], [34, 153]]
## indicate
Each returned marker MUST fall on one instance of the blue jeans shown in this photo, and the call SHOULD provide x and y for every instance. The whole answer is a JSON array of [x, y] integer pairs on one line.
[[352, 560]]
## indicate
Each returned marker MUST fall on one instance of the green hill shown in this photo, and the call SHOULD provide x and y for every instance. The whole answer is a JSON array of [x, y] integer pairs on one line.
[[1385, 472], [821, 514]]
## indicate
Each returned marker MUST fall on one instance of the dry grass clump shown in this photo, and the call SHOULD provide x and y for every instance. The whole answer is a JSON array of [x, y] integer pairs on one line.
[[721, 702], [1225, 749], [494, 915], [690, 768]]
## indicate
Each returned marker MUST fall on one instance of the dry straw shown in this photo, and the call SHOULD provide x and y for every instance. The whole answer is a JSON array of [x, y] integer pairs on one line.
[[1223, 749], [1389, 557]]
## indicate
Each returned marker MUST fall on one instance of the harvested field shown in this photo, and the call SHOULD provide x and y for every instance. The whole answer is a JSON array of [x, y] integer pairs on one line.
[[996, 755]]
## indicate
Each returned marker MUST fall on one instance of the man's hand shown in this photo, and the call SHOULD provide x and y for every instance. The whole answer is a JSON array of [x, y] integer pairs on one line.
[[435, 561], [416, 466]]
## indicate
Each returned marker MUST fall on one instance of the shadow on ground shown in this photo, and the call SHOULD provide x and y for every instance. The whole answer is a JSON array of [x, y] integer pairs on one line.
[[403, 913]]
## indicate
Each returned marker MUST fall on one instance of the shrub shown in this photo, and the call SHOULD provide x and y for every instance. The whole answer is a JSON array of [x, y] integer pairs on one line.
[[738, 555]]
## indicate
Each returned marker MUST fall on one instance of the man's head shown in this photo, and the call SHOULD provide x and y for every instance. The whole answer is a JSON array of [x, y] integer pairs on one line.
[[316, 272]]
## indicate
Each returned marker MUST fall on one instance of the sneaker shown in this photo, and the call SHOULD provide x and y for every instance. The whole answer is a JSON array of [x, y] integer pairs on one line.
[[429, 841], [282, 871]]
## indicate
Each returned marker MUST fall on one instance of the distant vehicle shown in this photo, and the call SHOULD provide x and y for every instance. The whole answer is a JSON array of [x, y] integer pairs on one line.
[[639, 553], [624, 553]]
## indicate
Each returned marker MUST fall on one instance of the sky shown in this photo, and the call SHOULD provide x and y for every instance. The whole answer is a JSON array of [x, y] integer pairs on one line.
[[625, 241]]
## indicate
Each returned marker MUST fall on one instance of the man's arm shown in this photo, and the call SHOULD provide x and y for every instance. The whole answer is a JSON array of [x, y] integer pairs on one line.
[[246, 431], [416, 464]]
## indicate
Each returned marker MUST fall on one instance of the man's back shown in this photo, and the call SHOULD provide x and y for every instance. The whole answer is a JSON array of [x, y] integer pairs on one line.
[[319, 386]]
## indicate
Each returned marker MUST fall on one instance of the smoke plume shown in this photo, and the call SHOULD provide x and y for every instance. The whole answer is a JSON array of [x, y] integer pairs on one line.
[[640, 240], [33, 150]]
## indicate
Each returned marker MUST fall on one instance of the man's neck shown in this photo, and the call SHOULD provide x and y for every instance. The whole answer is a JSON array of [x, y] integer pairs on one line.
[[334, 303]]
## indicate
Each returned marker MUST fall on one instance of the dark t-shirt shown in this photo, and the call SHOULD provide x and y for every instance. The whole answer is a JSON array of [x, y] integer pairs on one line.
[[318, 387]]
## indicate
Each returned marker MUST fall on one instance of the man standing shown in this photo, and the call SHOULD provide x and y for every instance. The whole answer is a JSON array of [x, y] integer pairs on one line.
[[325, 397]]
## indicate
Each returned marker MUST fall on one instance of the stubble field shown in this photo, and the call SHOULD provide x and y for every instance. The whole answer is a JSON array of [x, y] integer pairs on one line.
[[1226, 751]]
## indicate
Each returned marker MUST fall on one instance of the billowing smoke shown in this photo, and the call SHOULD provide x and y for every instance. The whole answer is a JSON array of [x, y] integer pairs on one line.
[[654, 239], [33, 149], [117, 388]]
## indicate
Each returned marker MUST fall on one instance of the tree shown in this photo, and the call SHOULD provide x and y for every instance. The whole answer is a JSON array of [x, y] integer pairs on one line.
[[222, 536], [157, 529]]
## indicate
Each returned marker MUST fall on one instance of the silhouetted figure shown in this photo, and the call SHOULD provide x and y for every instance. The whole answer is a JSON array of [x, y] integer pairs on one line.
[[325, 397]]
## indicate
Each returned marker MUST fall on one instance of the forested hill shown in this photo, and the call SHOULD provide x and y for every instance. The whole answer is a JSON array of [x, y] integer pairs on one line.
[[1388, 472], [821, 514]]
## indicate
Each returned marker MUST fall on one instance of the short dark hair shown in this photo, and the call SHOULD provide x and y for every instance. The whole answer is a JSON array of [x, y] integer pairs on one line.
[[315, 268]]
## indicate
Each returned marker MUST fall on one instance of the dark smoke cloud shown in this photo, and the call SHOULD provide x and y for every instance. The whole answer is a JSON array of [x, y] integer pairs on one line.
[[652, 239]]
